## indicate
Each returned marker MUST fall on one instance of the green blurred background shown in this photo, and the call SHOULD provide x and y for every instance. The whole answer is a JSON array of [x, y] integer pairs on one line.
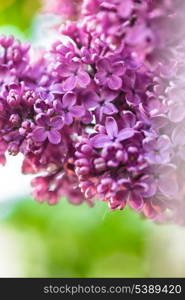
[[77, 241]]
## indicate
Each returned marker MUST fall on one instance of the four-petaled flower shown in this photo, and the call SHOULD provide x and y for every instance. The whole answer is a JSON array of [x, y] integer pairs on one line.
[[164, 180], [48, 128], [101, 104], [105, 105], [74, 75], [131, 193], [112, 134], [158, 151], [109, 74], [68, 109]]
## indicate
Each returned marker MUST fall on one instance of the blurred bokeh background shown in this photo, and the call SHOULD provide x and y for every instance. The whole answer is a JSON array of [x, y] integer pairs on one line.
[[74, 241]]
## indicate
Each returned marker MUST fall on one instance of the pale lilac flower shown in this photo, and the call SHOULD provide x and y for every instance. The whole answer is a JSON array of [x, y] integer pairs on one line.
[[164, 179], [176, 103], [158, 151], [178, 135]]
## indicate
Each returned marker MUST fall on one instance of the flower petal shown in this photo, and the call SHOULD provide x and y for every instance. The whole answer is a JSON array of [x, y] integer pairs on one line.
[[104, 65], [58, 106], [163, 143], [54, 136], [110, 109], [159, 121], [135, 200], [77, 111], [178, 135], [87, 118], [57, 122], [39, 134], [177, 112], [100, 78], [68, 118], [83, 79], [133, 99], [167, 182], [90, 99], [125, 134], [70, 83], [65, 71], [108, 95], [114, 82], [57, 88], [149, 211], [111, 127], [42, 120], [129, 119], [69, 100], [99, 140], [118, 69], [125, 8], [119, 201]]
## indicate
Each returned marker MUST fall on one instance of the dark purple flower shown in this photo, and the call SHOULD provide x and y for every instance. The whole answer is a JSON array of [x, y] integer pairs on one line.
[[13, 93], [44, 104], [107, 188], [114, 154], [129, 192]]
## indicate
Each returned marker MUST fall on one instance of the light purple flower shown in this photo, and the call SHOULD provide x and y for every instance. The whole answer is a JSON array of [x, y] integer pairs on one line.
[[112, 134], [48, 128], [110, 74], [100, 104], [68, 109], [74, 75], [105, 105]]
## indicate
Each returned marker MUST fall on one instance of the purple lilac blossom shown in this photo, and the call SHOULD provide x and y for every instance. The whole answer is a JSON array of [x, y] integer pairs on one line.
[[101, 116]]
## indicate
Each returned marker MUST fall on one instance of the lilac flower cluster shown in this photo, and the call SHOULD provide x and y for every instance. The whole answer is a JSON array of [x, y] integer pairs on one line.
[[91, 116]]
